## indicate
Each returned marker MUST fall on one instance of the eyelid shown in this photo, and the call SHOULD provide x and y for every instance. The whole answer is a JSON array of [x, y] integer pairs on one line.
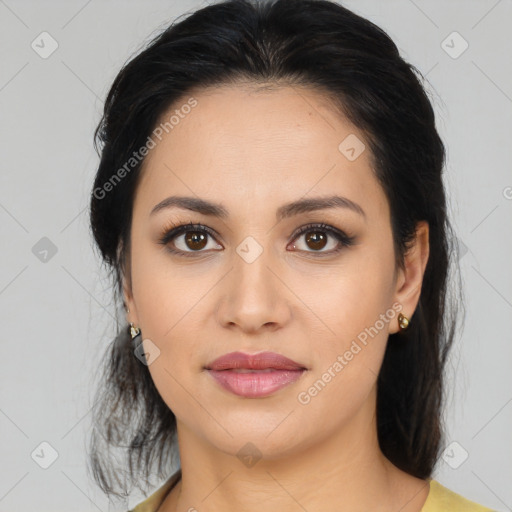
[[343, 238], [173, 230], [321, 226]]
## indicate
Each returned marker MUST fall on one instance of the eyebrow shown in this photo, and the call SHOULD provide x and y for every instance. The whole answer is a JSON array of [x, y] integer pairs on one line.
[[204, 207]]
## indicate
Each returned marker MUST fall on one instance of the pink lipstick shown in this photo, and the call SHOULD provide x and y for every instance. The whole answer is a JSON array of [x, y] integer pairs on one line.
[[254, 376]]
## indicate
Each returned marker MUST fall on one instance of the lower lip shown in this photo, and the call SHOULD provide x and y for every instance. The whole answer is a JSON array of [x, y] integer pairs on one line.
[[255, 384]]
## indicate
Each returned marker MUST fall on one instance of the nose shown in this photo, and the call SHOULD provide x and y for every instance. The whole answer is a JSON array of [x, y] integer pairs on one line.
[[253, 297]]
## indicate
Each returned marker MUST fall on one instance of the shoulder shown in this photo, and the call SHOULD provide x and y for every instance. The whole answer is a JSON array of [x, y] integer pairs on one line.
[[440, 498], [152, 502]]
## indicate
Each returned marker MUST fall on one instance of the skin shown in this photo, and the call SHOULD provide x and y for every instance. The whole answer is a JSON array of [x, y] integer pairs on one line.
[[253, 151]]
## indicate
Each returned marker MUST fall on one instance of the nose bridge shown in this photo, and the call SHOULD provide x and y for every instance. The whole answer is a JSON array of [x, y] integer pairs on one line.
[[253, 298], [252, 280]]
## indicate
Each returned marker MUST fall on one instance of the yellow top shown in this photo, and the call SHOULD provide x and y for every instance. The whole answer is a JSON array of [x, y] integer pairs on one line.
[[439, 499]]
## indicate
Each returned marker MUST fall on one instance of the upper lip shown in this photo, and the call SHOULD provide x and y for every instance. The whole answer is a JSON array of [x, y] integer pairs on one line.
[[260, 361]]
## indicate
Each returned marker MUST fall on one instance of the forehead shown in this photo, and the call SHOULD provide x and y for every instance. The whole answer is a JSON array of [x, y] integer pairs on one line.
[[239, 142]]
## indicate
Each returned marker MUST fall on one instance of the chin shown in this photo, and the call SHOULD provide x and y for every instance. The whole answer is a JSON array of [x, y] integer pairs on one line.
[[251, 436]]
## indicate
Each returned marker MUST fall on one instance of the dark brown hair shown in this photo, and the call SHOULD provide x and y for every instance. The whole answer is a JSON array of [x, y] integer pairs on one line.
[[324, 46]]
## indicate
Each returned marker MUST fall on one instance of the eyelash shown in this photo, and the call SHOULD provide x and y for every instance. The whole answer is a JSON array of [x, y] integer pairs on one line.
[[172, 231]]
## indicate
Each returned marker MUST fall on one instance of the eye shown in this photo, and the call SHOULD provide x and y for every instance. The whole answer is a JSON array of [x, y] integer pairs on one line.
[[188, 239], [191, 239], [317, 238]]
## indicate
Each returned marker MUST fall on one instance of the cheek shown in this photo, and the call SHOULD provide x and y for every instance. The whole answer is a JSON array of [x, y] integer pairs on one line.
[[353, 313], [170, 383], [347, 360], [171, 311], [166, 295], [346, 299]]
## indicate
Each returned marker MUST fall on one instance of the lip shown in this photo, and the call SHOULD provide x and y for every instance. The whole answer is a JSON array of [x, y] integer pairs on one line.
[[260, 361], [254, 375]]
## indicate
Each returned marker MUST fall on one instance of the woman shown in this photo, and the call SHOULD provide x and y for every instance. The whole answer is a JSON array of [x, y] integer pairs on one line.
[[270, 202]]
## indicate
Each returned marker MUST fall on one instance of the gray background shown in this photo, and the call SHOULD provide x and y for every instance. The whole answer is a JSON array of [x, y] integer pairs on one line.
[[56, 308]]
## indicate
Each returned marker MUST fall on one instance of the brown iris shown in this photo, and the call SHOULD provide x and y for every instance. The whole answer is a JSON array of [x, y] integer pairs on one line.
[[317, 239], [196, 237]]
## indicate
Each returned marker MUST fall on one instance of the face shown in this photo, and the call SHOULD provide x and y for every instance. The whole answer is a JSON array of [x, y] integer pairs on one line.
[[318, 286]]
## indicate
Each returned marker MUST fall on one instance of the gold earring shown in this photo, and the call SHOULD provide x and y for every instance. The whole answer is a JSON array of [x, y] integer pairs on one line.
[[403, 322], [134, 331]]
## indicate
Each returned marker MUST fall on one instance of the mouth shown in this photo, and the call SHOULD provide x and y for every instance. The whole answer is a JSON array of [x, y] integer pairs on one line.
[[254, 376]]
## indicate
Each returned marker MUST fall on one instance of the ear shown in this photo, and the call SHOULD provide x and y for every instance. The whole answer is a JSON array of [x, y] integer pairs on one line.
[[129, 302], [410, 278]]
